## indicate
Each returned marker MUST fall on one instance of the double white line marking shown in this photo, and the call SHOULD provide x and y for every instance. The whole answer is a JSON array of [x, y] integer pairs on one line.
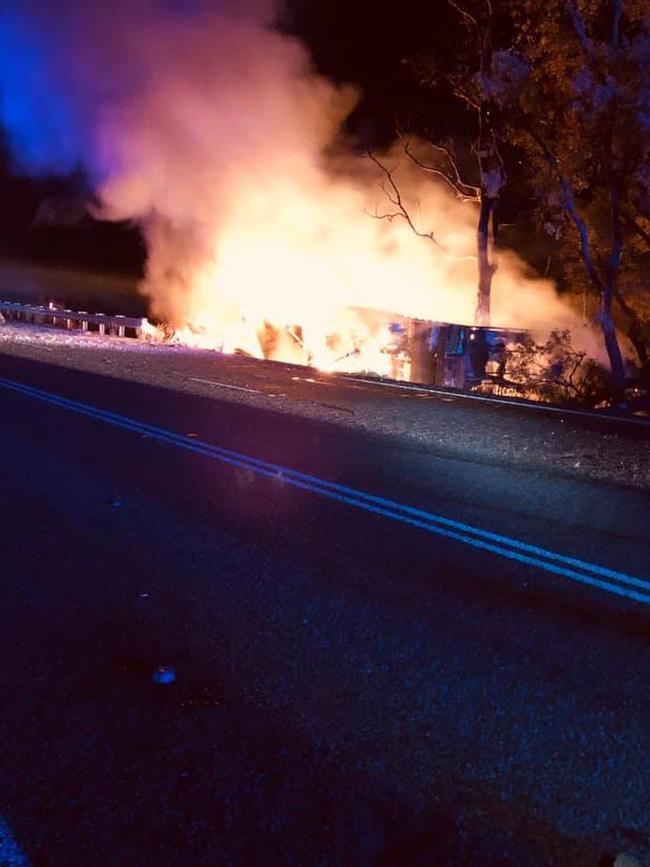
[[609, 580]]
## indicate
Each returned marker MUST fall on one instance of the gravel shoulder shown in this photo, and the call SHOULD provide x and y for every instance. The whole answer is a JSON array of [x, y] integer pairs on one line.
[[567, 444], [432, 723]]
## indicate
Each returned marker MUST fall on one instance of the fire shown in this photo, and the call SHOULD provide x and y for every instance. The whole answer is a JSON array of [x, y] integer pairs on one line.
[[346, 345], [266, 231], [266, 234]]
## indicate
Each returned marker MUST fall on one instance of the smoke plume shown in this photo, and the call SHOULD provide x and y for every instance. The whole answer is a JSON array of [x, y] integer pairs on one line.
[[211, 130]]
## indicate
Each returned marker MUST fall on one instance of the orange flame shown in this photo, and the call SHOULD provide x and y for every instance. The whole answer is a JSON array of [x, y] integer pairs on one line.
[[259, 222]]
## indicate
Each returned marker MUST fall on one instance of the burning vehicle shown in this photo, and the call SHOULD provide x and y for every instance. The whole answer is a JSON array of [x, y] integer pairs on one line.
[[373, 342]]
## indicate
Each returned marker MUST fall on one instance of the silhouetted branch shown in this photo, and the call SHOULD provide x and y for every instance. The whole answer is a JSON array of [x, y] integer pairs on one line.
[[616, 24], [633, 226], [392, 193], [579, 26], [465, 192], [464, 13]]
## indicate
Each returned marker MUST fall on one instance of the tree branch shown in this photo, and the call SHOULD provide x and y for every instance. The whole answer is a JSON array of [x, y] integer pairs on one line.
[[463, 12], [616, 24], [465, 192], [393, 195], [579, 26], [633, 226], [569, 205], [614, 262], [645, 212], [625, 307], [464, 97]]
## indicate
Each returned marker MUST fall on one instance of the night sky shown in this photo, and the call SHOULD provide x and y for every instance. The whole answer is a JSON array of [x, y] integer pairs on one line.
[[367, 43], [364, 42]]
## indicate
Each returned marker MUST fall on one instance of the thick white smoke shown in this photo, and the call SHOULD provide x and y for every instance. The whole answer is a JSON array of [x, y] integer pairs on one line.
[[212, 131]]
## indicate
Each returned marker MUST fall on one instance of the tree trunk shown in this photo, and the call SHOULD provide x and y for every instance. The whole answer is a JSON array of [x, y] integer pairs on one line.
[[640, 343], [611, 343], [485, 266], [610, 286], [637, 333]]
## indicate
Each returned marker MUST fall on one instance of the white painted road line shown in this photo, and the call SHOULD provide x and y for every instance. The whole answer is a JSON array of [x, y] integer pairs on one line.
[[10, 852], [553, 562], [225, 385], [517, 403]]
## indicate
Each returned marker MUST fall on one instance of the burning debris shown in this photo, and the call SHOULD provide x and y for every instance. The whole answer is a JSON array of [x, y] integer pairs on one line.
[[380, 347], [537, 366], [518, 363], [216, 136]]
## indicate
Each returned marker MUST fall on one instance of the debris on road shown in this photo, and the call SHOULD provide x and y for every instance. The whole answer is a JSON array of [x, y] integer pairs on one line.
[[164, 674]]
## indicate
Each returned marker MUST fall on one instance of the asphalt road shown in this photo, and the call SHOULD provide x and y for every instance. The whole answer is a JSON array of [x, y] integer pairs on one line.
[[357, 683]]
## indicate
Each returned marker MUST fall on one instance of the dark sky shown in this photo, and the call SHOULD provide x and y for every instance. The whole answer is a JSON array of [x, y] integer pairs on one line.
[[358, 41], [361, 41], [366, 42]]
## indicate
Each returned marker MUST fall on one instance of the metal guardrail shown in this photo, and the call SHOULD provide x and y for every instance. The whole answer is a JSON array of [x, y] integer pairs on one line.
[[101, 323], [132, 327]]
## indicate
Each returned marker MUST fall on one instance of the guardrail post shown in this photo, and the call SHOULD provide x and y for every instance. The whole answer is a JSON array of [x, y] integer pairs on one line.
[[117, 325]]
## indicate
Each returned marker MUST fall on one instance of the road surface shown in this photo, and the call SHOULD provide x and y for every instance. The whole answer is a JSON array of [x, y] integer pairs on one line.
[[383, 654]]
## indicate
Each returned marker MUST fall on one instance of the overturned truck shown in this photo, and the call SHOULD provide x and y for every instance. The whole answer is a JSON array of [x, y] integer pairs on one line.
[[541, 366], [460, 356]]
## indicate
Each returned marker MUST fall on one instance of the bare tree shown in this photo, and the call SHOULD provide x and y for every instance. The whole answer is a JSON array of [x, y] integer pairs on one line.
[[392, 192], [475, 57], [491, 169]]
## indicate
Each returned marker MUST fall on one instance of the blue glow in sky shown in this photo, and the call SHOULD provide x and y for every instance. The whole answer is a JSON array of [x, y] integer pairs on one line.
[[33, 109]]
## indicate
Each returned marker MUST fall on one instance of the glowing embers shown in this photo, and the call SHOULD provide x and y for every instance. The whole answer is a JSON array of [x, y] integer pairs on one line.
[[355, 341]]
